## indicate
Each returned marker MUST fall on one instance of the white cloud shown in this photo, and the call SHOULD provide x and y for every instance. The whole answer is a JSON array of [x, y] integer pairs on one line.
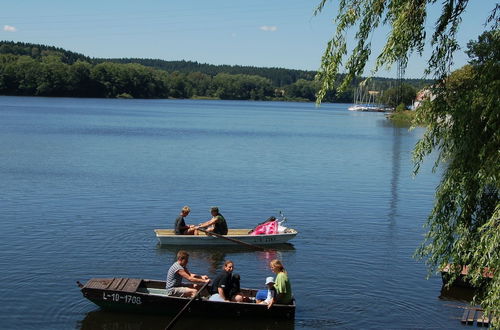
[[9, 28], [269, 28]]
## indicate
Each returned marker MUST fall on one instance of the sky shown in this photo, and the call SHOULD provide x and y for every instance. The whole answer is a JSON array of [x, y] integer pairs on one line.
[[261, 33]]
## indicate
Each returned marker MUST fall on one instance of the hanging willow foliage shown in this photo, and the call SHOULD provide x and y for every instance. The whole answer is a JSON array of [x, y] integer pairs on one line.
[[407, 20], [464, 125], [463, 116]]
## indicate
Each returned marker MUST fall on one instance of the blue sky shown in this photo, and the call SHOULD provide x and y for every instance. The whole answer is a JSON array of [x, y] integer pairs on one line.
[[266, 33]]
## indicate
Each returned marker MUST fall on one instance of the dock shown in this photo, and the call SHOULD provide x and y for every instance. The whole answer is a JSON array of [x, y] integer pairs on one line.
[[474, 314]]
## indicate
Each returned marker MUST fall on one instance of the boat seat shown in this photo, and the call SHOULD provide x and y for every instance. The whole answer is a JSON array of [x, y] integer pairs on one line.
[[157, 292]]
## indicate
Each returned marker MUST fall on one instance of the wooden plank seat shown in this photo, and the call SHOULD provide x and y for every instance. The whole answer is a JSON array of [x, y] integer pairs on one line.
[[100, 284], [114, 284], [157, 292]]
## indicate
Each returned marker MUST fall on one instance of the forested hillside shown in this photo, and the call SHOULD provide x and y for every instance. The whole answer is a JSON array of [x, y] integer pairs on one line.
[[279, 77], [32, 69], [39, 51]]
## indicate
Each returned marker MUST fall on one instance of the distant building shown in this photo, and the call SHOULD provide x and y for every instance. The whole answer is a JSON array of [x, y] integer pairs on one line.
[[279, 92], [422, 95]]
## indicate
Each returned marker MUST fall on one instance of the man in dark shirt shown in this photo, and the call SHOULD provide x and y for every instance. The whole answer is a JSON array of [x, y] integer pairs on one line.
[[224, 285], [217, 224], [180, 225]]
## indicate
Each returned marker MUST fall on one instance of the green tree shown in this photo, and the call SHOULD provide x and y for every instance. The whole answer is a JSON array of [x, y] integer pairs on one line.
[[53, 80], [112, 80], [80, 82], [104, 76], [395, 95], [8, 81], [242, 87], [177, 87], [27, 73], [302, 88], [199, 83], [464, 124]]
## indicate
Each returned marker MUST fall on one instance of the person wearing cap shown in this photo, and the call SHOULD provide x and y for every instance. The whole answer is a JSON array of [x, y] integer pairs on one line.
[[226, 286], [267, 296], [180, 224], [217, 224]]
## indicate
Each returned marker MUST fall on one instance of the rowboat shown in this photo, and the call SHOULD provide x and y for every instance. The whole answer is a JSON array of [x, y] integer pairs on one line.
[[168, 237], [149, 296]]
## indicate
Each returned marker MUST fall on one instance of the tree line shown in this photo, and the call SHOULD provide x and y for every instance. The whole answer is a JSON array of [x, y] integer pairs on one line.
[[279, 77], [39, 70]]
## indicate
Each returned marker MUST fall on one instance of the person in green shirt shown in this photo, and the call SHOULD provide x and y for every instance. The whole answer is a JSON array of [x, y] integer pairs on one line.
[[282, 284]]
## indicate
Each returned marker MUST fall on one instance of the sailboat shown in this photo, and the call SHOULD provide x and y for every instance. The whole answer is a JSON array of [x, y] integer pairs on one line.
[[365, 100]]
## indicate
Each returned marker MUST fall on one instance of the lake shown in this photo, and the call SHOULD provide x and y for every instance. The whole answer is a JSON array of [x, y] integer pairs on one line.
[[85, 182]]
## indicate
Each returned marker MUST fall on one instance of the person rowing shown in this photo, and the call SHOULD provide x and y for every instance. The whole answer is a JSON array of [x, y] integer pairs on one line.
[[177, 272], [217, 224]]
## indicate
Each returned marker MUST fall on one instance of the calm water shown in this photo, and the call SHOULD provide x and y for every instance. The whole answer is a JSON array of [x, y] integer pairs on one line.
[[84, 182]]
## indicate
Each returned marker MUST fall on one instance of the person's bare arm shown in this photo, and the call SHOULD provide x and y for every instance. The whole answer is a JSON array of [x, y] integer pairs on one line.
[[208, 223], [193, 277], [275, 298]]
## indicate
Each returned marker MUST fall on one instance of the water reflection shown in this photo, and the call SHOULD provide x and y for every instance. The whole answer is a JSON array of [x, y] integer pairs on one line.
[[396, 151], [104, 320], [215, 256], [457, 293], [396, 172]]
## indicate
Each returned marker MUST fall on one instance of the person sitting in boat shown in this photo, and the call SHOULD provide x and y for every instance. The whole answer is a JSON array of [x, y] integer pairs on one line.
[[283, 287], [226, 285], [267, 296], [180, 224], [235, 287], [178, 271], [216, 224]]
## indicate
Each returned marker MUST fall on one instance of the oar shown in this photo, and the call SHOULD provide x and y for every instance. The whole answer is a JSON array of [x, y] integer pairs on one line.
[[174, 320], [232, 239]]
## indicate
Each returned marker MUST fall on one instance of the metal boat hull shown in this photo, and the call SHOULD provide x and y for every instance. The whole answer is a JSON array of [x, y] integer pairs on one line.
[[167, 237], [147, 296]]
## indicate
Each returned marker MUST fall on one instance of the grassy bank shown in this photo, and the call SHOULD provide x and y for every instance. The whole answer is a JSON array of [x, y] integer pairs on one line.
[[404, 118]]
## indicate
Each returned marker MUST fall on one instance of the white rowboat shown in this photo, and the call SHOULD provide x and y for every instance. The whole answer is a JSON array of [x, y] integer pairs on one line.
[[168, 237]]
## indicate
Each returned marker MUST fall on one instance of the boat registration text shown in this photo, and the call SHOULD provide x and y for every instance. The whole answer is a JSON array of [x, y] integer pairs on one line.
[[126, 298]]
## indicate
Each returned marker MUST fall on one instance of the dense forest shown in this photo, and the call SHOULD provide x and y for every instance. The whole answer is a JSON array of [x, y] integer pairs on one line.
[[279, 77], [39, 70]]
